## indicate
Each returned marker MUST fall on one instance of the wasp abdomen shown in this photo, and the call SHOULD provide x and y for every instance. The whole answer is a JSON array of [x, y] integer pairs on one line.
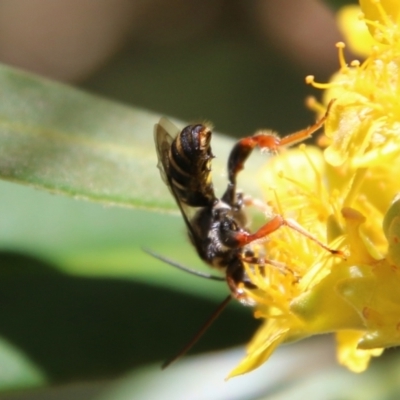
[[190, 166]]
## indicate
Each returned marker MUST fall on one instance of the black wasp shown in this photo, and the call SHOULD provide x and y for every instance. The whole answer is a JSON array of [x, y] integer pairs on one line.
[[217, 227]]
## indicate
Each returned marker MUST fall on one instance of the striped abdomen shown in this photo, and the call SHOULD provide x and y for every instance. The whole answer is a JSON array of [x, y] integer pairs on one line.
[[190, 166]]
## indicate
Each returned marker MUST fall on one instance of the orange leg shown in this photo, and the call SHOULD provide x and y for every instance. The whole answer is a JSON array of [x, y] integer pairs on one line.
[[244, 147], [244, 238], [304, 134], [273, 143]]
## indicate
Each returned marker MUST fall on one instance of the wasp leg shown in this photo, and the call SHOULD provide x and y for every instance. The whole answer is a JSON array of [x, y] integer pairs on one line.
[[243, 238], [244, 147], [250, 201], [238, 279], [261, 261], [304, 134]]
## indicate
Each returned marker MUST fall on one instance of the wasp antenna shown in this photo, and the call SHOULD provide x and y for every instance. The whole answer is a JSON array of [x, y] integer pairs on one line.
[[182, 267], [199, 333]]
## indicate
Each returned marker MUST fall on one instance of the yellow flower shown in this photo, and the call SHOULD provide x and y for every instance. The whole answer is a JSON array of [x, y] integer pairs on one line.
[[346, 196], [355, 30]]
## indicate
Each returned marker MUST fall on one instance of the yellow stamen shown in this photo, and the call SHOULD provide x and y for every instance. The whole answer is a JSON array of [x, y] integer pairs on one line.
[[310, 81], [342, 196], [342, 61]]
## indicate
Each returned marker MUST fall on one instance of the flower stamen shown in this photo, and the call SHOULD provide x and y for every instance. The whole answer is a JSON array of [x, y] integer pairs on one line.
[[342, 60], [342, 195], [310, 80]]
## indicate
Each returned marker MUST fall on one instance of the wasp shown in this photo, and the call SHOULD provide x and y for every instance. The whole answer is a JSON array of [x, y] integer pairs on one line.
[[217, 227]]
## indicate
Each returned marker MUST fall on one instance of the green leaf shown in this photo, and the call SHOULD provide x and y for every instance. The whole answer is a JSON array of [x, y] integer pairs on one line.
[[67, 307], [76, 327], [17, 371], [87, 239], [69, 142], [80, 298]]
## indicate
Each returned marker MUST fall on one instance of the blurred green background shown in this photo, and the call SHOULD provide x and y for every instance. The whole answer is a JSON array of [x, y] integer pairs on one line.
[[80, 301]]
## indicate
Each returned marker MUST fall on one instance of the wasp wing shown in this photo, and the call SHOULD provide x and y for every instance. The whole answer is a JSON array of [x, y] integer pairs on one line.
[[165, 133], [163, 141]]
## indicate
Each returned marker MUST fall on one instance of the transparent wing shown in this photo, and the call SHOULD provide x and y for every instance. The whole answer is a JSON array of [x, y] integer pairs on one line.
[[164, 134]]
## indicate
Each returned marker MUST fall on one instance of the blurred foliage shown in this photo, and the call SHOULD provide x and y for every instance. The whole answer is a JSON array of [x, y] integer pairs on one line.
[[237, 83], [80, 300], [77, 290]]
